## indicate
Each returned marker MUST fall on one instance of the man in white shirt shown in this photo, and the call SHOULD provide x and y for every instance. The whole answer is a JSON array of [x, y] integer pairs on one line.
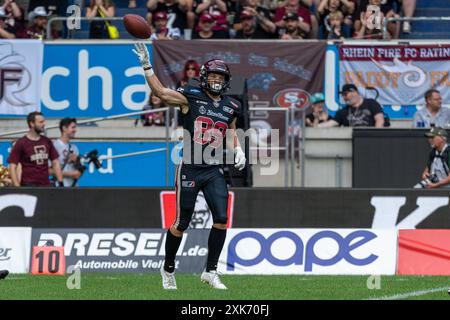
[[68, 152]]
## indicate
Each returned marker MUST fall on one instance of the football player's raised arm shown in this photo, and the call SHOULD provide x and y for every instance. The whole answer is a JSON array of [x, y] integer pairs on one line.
[[167, 95]]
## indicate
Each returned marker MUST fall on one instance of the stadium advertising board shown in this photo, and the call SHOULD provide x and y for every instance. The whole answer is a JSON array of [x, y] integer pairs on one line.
[[20, 81], [401, 74], [424, 252], [120, 171], [92, 80], [252, 208], [310, 251], [202, 217], [15, 249], [124, 250]]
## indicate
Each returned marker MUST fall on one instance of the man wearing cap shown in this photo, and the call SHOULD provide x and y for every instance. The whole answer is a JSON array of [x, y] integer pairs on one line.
[[161, 31], [205, 29], [261, 14], [319, 112], [251, 28], [291, 30], [177, 10], [438, 160], [358, 111], [432, 114], [38, 28]]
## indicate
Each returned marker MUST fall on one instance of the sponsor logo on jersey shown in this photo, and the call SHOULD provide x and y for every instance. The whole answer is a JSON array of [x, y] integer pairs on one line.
[[216, 114], [194, 90], [201, 102], [202, 110], [188, 184], [234, 104], [228, 110]]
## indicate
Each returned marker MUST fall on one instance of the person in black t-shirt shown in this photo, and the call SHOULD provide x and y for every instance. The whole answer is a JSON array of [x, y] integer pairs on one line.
[[358, 112]]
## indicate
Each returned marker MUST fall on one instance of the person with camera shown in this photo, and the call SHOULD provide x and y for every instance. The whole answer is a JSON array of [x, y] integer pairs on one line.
[[68, 152], [436, 173]]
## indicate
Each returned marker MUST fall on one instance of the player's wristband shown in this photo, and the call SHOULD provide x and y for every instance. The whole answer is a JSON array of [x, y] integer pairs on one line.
[[148, 71]]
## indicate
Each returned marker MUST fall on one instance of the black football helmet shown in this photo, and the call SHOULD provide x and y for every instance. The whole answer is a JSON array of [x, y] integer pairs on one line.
[[215, 66]]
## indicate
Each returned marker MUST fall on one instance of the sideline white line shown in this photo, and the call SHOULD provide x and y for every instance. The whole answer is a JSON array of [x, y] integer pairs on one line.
[[411, 294]]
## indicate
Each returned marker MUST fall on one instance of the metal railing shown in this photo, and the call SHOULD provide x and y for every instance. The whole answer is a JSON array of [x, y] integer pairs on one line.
[[166, 138], [393, 19], [72, 30]]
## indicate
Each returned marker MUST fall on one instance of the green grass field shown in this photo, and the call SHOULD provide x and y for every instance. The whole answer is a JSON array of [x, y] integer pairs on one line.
[[148, 287]]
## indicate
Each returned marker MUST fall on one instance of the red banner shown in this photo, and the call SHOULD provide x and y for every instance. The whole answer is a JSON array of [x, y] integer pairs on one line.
[[424, 252]]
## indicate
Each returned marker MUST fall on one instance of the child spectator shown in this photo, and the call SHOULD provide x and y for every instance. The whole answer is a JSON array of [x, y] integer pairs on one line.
[[334, 28]]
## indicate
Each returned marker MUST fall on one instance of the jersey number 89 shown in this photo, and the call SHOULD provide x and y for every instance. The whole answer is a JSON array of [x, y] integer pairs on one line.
[[208, 131]]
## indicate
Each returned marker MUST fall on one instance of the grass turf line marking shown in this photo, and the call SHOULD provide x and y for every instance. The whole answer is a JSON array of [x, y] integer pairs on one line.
[[411, 294]]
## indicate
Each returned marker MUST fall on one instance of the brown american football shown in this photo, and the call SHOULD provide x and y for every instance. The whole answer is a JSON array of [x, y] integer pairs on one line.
[[137, 26]]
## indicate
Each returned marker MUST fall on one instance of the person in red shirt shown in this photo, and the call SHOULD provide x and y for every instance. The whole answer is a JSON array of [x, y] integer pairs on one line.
[[304, 16], [33, 151]]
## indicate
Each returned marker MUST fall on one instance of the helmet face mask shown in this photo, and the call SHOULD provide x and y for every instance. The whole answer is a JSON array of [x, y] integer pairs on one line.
[[219, 67]]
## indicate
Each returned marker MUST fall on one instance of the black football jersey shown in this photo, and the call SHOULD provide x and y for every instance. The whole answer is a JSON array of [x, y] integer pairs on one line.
[[205, 126]]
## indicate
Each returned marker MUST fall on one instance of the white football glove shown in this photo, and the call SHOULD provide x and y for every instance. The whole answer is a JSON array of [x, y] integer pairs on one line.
[[142, 53], [239, 158]]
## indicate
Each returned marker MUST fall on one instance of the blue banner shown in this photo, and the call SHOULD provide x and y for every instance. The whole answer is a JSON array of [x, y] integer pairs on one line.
[[92, 80], [145, 170]]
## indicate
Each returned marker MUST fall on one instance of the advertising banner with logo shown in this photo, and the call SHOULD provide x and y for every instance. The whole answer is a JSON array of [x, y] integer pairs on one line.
[[309, 251], [21, 68], [15, 249], [92, 80], [401, 74], [202, 217], [278, 74], [424, 252], [142, 170], [124, 250]]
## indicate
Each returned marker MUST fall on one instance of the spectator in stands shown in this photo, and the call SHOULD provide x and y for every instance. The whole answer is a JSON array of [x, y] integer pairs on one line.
[[336, 19], [160, 29], [6, 31], [54, 8], [177, 10], [252, 26], [217, 9], [153, 118], [190, 71], [38, 27], [368, 26], [99, 8], [433, 114], [438, 166], [205, 30], [262, 15], [358, 111], [15, 17], [34, 151], [291, 30], [326, 7], [319, 112], [304, 15], [409, 6]]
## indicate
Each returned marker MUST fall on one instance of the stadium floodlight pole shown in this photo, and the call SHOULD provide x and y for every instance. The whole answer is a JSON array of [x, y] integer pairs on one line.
[[118, 116]]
